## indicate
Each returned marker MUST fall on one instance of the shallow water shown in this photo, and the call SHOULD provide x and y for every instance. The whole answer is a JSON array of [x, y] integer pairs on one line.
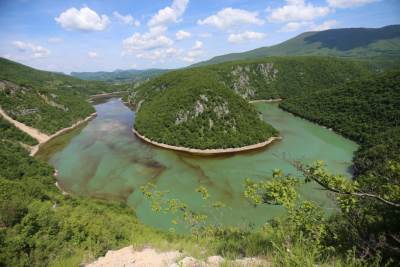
[[105, 160]]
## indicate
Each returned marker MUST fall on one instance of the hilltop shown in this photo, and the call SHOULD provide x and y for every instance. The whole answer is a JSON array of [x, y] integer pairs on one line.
[[361, 43]]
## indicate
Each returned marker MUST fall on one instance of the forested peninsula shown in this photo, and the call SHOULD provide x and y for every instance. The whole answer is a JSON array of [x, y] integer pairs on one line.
[[207, 108]]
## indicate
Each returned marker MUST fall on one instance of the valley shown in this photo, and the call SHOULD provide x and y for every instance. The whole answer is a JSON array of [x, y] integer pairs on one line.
[[285, 155], [105, 160]]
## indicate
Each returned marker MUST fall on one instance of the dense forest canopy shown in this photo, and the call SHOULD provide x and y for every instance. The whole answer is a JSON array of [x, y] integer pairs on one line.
[[366, 111]]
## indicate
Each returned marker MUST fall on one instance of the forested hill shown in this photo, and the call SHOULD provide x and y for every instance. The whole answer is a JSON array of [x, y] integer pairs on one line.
[[207, 107], [367, 111], [272, 77], [120, 76], [196, 111], [44, 100], [383, 43]]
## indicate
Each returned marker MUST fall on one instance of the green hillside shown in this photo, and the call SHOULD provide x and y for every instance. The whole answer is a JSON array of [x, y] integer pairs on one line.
[[39, 226], [363, 43], [120, 76], [367, 111], [207, 107], [9, 132], [45, 100]]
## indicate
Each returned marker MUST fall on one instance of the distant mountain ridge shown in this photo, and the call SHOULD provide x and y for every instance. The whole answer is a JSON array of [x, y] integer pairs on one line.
[[120, 76], [383, 43]]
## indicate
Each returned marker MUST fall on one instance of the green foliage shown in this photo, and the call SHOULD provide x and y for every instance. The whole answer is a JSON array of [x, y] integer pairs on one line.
[[366, 111], [41, 227], [10, 132], [368, 224], [16, 164], [44, 100], [194, 221]]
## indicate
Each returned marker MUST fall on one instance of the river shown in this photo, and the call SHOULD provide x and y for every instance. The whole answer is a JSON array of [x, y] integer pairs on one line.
[[105, 160]]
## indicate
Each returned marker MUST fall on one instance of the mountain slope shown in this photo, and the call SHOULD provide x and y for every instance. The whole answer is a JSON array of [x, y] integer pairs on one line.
[[43, 100], [367, 111], [120, 76], [348, 42], [274, 77]]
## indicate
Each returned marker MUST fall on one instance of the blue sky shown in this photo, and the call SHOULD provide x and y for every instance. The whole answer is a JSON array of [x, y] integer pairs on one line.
[[91, 35]]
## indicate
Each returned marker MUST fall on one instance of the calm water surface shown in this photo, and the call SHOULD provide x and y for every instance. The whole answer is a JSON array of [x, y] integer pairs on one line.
[[105, 160]]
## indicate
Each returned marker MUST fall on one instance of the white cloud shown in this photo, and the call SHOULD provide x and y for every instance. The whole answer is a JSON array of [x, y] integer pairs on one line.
[[229, 17], [326, 25], [84, 19], [146, 41], [192, 55], [55, 40], [195, 52], [36, 51], [188, 59], [158, 54], [180, 35], [348, 3], [92, 54], [297, 10], [245, 36], [205, 35], [197, 45], [293, 26], [169, 14], [127, 19]]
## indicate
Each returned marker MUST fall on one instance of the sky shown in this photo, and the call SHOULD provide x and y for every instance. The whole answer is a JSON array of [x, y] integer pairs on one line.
[[67, 36]]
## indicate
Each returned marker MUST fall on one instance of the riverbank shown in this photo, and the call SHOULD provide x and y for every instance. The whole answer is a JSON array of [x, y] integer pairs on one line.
[[42, 138], [207, 152], [272, 100], [92, 97]]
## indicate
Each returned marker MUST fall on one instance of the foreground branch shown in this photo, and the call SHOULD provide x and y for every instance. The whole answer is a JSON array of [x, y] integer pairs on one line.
[[308, 174]]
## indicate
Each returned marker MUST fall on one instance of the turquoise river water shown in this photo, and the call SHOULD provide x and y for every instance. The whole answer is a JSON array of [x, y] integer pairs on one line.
[[105, 160]]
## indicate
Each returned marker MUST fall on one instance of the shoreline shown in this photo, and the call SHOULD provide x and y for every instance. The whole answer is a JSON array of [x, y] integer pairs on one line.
[[36, 148], [205, 152], [42, 138], [92, 97], [272, 100]]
